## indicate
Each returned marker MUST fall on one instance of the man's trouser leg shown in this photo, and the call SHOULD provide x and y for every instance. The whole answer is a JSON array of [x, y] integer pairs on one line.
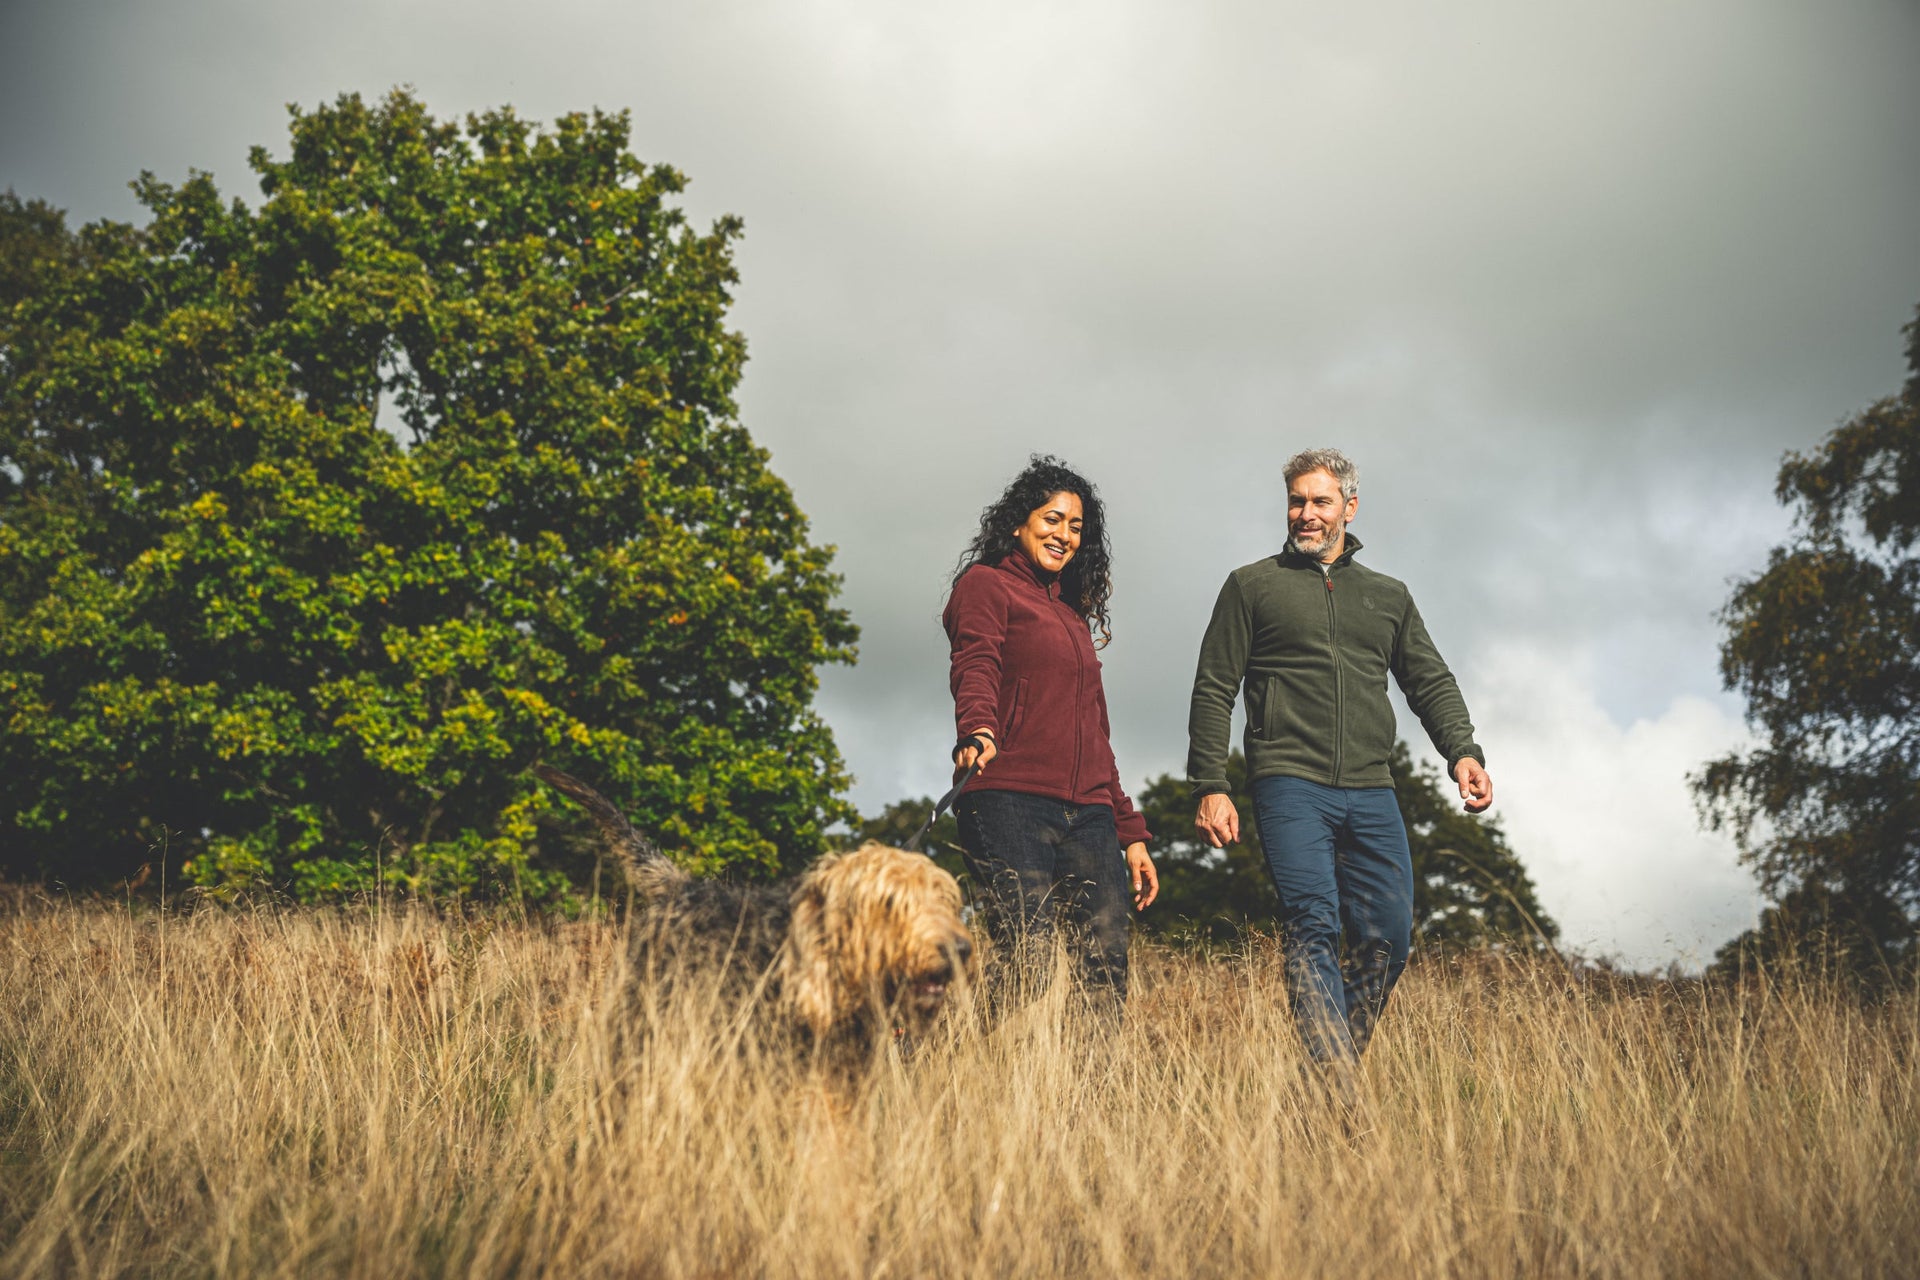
[[1339, 858], [1375, 871], [1298, 823]]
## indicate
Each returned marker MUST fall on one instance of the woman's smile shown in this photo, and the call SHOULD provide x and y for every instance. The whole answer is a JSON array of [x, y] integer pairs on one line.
[[1051, 534]]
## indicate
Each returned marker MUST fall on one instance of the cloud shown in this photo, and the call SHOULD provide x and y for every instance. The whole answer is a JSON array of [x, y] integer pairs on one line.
[[1601, 813]]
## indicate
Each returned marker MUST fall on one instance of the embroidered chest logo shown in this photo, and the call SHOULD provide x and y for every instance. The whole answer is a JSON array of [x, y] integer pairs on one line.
[[1367, 601]]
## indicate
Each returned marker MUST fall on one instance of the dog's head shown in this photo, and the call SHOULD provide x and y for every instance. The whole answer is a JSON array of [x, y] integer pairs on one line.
[[875, 930]]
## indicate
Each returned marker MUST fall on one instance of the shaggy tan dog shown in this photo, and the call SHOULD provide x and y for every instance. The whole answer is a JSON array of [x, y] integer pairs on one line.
[[860, 942]]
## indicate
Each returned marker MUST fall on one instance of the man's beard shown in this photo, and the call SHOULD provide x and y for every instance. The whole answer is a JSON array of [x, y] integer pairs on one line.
[[1329, 535]]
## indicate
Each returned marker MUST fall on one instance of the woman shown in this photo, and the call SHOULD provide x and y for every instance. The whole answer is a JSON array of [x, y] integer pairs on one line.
[[1044, 822]]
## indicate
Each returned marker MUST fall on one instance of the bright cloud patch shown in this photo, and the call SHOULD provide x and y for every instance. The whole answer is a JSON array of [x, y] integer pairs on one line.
[[1601, 812]]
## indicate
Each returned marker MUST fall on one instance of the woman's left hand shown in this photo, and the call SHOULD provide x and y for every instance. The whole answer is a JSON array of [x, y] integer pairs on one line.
[[1146, 881]]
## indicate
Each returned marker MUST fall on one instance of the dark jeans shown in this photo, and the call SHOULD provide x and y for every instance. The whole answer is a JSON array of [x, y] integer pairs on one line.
[[1339, 858], [1036, 858]]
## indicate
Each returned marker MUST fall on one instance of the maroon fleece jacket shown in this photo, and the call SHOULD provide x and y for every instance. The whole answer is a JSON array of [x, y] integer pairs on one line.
[[1024, 667]]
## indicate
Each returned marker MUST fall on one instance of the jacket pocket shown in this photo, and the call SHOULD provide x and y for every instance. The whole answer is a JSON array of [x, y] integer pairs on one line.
[[1262, 694], [1016, 711]]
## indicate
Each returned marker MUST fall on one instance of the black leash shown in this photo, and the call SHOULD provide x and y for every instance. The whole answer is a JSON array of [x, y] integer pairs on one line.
[[946, 801]]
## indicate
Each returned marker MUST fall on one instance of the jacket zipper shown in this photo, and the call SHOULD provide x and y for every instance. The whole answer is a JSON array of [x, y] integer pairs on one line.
[[1079, 690], [1339, 692]]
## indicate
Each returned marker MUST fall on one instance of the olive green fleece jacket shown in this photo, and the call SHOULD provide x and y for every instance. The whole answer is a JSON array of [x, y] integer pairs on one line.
[[1313, 645]]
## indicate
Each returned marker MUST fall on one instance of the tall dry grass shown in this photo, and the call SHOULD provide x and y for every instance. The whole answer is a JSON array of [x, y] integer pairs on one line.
[[296, 1092]]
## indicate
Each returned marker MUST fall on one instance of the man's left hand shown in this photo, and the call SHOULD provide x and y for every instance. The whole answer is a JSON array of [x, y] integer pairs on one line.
[[1146, 881], [1476, 788]]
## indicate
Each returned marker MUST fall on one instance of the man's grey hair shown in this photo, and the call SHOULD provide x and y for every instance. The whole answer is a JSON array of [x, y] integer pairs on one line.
[[1331, 461]]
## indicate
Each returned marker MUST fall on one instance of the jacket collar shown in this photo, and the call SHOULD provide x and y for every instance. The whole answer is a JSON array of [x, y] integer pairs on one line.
[[1017, 564]]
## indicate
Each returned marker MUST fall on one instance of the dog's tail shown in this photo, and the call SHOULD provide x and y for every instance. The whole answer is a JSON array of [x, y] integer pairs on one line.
[[647, 871]]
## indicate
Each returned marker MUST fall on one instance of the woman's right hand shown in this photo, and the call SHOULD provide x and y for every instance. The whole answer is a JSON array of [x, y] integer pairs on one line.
[[963, 759]]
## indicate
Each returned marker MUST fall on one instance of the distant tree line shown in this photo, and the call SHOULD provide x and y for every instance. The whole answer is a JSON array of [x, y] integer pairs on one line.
[[1470, 888]]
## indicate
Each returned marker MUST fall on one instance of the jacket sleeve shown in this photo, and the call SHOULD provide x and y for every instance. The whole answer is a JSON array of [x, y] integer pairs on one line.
[[1216, 684], [1431, 691], [1128, 821], [976, 622]]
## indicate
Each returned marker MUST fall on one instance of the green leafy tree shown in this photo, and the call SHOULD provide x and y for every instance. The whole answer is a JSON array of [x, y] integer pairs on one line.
[[1205, 893], [322, 520], [1470, 889], [35, 248], [37, 255], [1824, 644]]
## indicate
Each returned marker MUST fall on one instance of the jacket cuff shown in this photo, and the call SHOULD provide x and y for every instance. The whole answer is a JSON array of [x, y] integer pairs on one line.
[[964, 725], [1202, 787], [1471, 751], [1133, 830]]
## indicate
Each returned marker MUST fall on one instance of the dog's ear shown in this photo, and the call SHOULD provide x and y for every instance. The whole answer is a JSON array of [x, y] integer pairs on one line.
[[806, 967]]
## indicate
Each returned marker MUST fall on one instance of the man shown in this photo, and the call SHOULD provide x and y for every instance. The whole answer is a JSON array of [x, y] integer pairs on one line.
[[1312, 635]]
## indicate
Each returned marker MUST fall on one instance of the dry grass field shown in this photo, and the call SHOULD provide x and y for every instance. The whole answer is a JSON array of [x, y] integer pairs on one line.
[[285, 1092]]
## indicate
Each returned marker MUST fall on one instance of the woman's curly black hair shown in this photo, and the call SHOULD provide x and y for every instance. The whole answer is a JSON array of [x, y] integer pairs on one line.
[[1087, 581]]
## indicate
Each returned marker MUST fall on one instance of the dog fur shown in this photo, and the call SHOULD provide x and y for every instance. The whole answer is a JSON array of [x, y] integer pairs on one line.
[[862, 942]]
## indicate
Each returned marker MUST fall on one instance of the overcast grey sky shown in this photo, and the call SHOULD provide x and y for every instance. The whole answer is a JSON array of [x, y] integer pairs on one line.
[[1564, 279]]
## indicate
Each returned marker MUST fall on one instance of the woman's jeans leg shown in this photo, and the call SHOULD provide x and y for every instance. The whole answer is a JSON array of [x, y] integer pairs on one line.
[[1035, 858], [1340, 862]]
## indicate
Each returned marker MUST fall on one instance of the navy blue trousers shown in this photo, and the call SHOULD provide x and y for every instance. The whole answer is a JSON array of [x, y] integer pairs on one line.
[[1340, 862]]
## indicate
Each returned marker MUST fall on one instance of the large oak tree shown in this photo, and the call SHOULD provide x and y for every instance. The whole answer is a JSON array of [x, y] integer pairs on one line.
[[321, 519]]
